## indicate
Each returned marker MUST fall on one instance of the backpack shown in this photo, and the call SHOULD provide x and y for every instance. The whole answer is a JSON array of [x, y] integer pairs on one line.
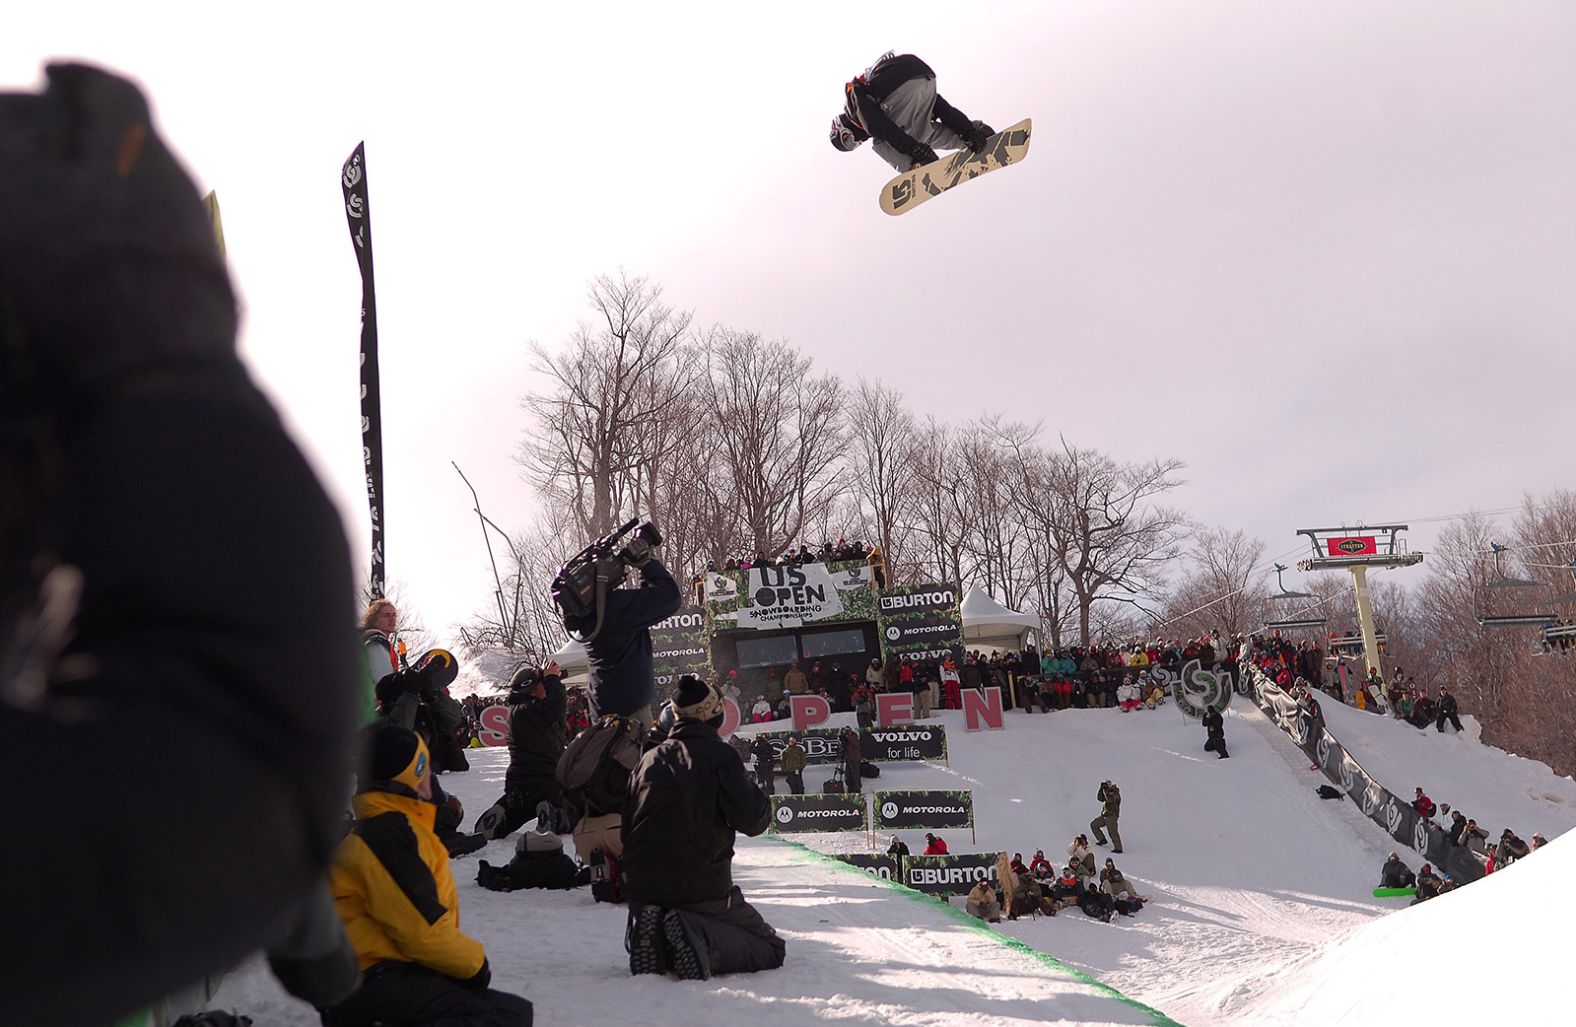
[[596, 765], [1326, 792]]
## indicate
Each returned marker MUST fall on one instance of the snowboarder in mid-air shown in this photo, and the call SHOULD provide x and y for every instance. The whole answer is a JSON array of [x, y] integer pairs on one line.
[[895, 103]]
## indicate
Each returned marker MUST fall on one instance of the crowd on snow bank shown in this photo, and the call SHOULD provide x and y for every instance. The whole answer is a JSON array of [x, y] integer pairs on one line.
[[1400, 696]]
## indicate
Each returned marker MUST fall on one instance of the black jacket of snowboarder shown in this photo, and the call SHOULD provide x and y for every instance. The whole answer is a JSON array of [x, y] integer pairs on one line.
[[864, 94], [686, 799], [536, 740], [619, 658]]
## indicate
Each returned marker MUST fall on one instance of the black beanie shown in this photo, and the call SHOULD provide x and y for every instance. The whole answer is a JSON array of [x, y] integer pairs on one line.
[[390, 751], [694, 699]]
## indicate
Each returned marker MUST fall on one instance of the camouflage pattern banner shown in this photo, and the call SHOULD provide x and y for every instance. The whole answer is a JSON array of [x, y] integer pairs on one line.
[[767, 598], [679, 647], [797, 814], [353, 180], [949, 875], [895, 811], [884, 867], [904, 743], [922, 622], [1394, 814]]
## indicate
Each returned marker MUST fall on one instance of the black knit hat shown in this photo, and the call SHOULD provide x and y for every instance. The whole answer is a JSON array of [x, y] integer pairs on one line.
[[695, 699], [394, 753]]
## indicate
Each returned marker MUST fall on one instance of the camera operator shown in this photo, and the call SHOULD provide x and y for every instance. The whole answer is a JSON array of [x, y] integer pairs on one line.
[[537, 711], [619, 652]]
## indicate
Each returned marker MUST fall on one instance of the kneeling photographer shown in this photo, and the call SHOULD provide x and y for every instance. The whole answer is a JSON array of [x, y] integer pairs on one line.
[[614, 623]]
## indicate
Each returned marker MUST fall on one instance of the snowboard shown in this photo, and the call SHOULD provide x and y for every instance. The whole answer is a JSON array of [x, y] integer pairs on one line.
[[915, 186], [448, 670], [1394, 893], [1008, 881]]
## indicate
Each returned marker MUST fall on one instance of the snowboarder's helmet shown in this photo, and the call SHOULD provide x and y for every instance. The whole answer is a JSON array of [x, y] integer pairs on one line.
[[844, 136]]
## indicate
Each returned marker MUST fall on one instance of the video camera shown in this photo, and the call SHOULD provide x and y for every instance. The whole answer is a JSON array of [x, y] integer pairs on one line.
[[581, 587]]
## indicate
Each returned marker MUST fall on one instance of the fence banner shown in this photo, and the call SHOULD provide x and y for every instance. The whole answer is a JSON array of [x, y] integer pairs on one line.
[[904, 743], [795, 814], [884, 867], [949, 875], [1340, 768], [820, 744], [898, 811]]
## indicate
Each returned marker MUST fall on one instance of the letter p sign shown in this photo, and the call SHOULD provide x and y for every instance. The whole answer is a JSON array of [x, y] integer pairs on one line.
[[808, 711]]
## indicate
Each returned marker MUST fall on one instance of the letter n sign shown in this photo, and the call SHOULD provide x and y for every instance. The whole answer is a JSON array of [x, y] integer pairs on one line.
[[983, 710]]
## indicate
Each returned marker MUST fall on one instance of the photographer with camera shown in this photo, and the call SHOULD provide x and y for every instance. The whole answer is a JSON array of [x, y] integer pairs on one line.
[[537, 711], [614, 623]]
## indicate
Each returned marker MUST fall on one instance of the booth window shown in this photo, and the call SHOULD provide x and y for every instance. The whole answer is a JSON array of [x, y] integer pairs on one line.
[[831, 643], [768, 652]]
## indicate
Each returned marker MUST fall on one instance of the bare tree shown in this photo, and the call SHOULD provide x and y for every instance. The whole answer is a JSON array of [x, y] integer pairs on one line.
[[1223, 587], [943, 517], [881, 436], [779, 433], [612, 391]]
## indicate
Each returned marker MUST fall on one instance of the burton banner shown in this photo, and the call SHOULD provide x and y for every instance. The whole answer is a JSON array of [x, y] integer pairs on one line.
[[922, 622], [904, 743], [1377, 803], [899, 811], [353, 177], [949, 875], [679, 647], [884, 867], [797, 814]]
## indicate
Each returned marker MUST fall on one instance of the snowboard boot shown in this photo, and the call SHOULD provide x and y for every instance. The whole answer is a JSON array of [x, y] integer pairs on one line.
[[464, 844], [643, 939], [490, 824], [687, 956]]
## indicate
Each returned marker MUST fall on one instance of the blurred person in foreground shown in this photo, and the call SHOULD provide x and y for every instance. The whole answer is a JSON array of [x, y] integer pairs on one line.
[[182, 750]]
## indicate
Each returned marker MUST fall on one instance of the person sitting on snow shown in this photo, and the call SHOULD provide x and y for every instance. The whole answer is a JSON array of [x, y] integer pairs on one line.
[[1039, 867], [1083, 859], [1113, 883], [1127, 695], [1027, 896], [1423, 804], [1067, 887], [1396, 874], [1428, 884], [895, 103], [983, 903]]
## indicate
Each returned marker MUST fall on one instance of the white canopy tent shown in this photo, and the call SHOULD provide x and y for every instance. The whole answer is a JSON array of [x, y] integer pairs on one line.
[[572, 659], [989, 625]]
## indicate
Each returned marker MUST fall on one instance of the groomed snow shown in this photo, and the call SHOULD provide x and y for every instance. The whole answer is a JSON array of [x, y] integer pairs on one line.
[[1262, 911]]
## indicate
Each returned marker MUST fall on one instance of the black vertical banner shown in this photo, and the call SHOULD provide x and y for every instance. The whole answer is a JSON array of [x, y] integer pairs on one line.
[[354, 180]]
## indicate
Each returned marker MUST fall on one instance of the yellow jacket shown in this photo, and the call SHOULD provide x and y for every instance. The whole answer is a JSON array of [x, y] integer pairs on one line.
[[394, 892]]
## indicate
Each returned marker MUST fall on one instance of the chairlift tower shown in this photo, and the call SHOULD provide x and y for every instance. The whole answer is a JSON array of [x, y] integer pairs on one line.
[[1356, 550]]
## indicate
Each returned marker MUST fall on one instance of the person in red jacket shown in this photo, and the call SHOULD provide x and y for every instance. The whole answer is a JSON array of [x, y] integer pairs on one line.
[[934, 846], [1423, 804], [1040, 867]]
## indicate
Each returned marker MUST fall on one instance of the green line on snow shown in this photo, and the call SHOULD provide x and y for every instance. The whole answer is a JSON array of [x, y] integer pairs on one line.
[[809, 855]]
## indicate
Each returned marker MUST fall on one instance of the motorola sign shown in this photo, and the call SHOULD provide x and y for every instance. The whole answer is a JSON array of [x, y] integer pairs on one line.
[[801, 813], [898, 810]]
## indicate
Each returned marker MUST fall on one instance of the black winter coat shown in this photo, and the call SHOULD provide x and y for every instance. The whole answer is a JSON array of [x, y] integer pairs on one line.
[[686, 799], [1395, 874], [619, 658], [1214, 723], [536, 740]]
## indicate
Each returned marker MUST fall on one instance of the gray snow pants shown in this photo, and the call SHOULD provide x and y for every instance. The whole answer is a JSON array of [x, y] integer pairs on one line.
[[911, 106], [737, 938]]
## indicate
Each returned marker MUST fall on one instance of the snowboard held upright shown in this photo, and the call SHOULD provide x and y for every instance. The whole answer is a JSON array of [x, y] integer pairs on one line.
[[915, 186]]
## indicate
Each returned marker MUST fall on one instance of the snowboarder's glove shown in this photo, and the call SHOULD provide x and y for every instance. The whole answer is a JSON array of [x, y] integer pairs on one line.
[[922, 154], [978, 135]]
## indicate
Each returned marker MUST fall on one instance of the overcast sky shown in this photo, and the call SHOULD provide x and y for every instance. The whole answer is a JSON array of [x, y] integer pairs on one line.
[[1324, 253]]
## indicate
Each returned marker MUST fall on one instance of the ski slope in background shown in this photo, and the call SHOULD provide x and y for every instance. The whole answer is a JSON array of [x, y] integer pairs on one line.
[[1262, 910]]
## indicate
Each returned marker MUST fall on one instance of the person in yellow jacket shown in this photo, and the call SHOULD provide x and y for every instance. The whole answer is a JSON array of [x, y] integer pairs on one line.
[[394, 892]]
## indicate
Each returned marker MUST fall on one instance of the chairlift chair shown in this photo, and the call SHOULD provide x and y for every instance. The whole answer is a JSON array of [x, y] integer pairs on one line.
[[1491, 599], [1351, 644], [1293, 621]]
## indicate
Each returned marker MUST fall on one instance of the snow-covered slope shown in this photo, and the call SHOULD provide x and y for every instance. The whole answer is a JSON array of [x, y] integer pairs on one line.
[[1259, 890]]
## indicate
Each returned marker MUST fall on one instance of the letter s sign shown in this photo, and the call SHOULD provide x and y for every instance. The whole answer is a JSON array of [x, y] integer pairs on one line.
[[494, 728]]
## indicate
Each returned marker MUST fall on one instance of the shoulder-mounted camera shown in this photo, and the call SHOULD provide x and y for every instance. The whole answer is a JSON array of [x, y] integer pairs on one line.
[[581, 587]]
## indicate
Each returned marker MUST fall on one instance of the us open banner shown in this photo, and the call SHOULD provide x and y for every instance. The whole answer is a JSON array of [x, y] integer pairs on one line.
[[765, 598], [884, 867], [922, 622], [949, 875], [896, 811], [353, 178], [679, 646], [1377, 803], [796, 814], [905, 743]]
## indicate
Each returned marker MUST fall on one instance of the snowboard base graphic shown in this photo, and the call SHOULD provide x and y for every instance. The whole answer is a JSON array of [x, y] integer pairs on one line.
[[914, 187]]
